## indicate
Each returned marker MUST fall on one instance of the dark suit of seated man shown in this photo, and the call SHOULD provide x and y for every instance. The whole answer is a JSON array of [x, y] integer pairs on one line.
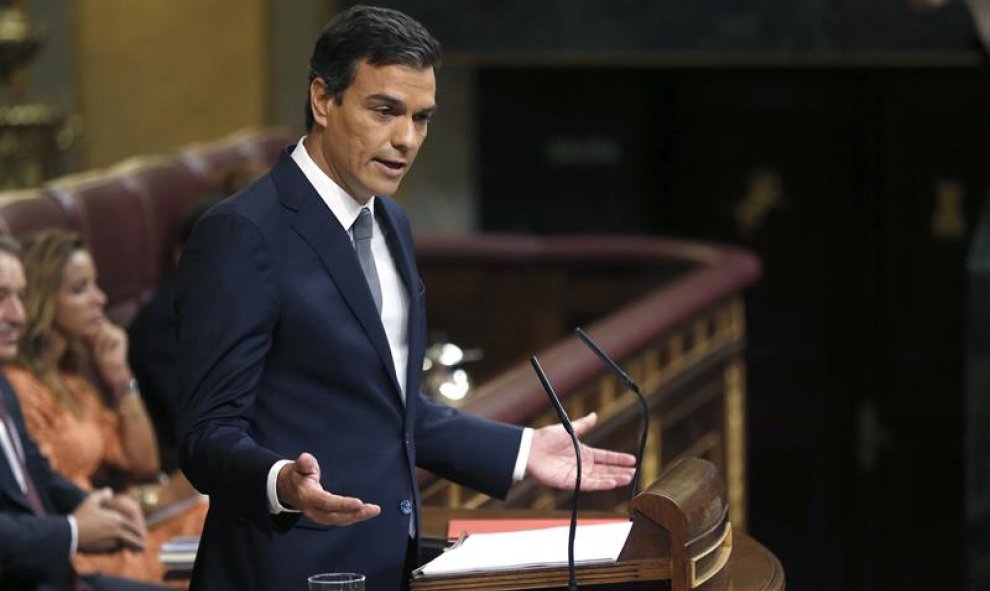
[[45, 518]]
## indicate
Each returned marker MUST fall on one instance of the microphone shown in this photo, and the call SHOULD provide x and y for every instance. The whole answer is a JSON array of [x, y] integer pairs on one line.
[[571, 577], [632, 385]]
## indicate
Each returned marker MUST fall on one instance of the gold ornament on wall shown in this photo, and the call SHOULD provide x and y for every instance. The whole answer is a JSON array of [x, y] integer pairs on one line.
[[29, 132], [764, 193], [948, 218]]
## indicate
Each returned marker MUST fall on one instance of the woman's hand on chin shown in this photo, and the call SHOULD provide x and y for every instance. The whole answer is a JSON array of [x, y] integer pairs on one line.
[[109, 348]]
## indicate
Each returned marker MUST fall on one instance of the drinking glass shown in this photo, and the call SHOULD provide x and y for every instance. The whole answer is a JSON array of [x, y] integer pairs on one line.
[[336, 582]]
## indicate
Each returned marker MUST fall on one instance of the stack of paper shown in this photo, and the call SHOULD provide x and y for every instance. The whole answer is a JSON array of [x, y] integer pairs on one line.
[[179, 553], [594, 544]]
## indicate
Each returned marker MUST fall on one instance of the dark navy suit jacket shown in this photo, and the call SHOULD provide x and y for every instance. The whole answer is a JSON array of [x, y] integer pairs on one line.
[[34, 551], [282, 351]]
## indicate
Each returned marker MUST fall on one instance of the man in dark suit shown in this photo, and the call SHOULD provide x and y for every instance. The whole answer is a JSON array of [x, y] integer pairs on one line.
[[44, 518], [302, 330]]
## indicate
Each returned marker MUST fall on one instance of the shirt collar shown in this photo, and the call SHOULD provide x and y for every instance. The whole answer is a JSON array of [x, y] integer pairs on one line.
[[344, 207]]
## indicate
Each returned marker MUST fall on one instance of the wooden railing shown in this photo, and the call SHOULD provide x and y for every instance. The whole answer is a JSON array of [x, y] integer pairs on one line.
[[670, 312]]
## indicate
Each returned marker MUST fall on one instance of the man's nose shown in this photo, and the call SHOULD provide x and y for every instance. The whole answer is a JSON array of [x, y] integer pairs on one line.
[[404, 136], [13, 311]]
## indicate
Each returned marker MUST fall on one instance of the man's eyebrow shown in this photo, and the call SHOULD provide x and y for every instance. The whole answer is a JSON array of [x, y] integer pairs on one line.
[[391, 101], [385, 99]]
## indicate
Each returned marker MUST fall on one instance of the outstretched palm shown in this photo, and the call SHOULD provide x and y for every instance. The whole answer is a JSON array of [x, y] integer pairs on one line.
[[552, 462]]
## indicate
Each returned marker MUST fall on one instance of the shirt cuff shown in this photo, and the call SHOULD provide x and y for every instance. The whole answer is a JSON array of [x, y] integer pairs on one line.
[[74, 535], [274, 507], [519, 472]]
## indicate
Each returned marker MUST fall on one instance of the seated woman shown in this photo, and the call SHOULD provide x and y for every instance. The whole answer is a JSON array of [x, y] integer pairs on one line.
[[81, 432]]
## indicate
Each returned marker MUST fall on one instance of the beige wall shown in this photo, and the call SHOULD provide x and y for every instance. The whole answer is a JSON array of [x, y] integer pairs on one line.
[[295, 26], [153, 75]]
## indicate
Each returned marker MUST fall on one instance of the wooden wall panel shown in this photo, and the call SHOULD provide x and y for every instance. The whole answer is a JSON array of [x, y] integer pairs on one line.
[[157, 74]]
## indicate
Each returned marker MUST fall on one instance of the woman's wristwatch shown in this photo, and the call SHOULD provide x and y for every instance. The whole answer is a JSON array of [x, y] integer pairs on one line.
[[147, 496], [128, 387]]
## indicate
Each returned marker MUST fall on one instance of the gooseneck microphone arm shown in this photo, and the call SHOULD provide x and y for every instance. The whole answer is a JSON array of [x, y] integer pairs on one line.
[[632, 385], [571, 576]]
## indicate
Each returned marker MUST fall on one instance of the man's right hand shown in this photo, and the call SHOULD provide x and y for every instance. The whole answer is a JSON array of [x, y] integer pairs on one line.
[[298, 486], [101, 528]]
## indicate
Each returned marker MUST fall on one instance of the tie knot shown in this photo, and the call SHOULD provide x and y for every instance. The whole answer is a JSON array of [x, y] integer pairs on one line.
[[363, 226]]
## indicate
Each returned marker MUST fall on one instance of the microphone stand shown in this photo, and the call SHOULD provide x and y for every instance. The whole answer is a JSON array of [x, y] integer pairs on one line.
[[634, 387], [566, 421]]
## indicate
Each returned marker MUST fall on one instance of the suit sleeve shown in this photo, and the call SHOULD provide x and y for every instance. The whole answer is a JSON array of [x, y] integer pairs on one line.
[[34, 548], [466, 449], [227, 312]]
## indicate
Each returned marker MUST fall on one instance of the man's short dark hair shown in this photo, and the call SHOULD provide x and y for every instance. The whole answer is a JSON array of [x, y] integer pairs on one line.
[[382, 36]]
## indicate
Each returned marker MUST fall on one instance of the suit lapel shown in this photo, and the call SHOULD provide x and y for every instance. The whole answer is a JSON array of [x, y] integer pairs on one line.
[[324, 234], [7, 479], [400, 246]]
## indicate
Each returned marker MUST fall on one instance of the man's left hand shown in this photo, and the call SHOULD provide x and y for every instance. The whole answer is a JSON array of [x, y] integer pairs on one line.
[[552, 462]]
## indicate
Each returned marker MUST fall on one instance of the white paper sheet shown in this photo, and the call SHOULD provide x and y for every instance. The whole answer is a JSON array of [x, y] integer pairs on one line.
[[598, 543]]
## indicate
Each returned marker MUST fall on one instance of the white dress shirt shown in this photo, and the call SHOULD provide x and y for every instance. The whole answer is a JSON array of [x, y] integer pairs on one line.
[[395, 300], [14, 453]]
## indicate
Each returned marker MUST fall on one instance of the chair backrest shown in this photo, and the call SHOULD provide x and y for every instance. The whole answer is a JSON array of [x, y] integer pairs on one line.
[[130, 214], [213, 161], [115, 221], [30, 211]]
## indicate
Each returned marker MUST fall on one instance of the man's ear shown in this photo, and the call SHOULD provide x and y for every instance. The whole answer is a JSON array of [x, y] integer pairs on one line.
[[320, 101]]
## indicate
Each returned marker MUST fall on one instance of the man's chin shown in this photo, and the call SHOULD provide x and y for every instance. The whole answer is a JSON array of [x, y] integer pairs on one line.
[[8, 352], [386, 186], [387, 190]]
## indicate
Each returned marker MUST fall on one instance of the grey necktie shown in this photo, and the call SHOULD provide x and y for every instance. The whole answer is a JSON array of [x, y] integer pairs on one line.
[[363, 228]]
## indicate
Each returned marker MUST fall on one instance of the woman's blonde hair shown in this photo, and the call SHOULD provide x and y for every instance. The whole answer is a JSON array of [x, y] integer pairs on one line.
[[45, 256]]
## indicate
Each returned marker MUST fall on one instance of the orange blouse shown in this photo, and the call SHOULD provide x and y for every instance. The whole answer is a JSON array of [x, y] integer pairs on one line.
[[77, 447]]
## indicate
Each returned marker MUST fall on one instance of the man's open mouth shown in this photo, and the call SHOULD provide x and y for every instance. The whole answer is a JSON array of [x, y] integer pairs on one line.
[[392, 164]]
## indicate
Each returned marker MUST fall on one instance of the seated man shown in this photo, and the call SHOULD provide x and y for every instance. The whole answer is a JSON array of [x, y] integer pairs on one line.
[[44, 518]]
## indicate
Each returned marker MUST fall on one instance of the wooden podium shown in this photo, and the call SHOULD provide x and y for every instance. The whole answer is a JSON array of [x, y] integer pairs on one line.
[[681, 539]]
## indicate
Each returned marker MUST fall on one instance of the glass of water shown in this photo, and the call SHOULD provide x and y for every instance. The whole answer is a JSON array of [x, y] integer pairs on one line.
[[336, 582]]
